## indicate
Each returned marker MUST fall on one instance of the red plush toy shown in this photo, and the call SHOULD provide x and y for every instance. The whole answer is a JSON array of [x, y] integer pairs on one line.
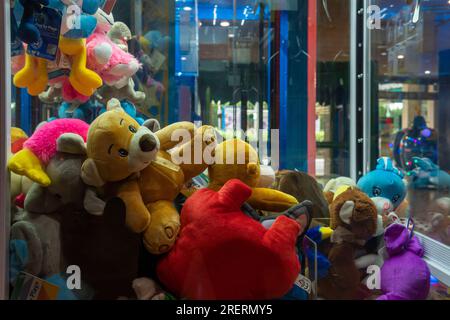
[[224, 254]]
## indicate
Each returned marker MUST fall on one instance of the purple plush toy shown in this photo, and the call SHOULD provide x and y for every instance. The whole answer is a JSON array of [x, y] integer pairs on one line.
[[404, 275]]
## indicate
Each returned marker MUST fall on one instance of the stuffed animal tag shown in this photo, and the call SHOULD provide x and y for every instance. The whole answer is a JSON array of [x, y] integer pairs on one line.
[[16, 43], [303, 283], [48, 22], [166, 164]]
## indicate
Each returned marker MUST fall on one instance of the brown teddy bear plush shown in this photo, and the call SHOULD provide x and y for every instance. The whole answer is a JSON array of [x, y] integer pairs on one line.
[[134, 164], [304, 187], [354, 220], [334, 184], [236, 159], [117, 149]]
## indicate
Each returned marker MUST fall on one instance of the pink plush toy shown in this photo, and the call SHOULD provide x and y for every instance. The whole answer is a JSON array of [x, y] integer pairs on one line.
[[42, 145], [114, 65]]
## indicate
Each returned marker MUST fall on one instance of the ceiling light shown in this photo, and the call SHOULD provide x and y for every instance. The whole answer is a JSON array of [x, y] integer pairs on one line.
[[400, 56], [225, 24], [187, 8], [427, 72]]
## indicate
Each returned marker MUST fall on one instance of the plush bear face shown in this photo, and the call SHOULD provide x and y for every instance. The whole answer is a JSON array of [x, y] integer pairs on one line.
[[117, 147], [235, 159], [355, 211]]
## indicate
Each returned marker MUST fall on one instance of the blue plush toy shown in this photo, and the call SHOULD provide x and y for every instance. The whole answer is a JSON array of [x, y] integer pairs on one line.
[[385, 181], [86, 24], [427, 175], [28, 32], [82, 23], [156, 40], [84, 111], [130, 109]]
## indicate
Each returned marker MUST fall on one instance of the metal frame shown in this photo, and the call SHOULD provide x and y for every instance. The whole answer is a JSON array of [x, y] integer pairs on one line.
[[5, 145], [437, 256], [367, 92], [359, 90], [353, 81]]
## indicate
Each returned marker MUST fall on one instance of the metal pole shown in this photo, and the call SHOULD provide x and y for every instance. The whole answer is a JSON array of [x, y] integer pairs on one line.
[[367, 93], [262, 74], [5, 144], [358, 85]]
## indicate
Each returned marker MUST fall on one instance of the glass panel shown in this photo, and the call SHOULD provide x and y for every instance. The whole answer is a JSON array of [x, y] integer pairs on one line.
[[410, 64], [333, 89]]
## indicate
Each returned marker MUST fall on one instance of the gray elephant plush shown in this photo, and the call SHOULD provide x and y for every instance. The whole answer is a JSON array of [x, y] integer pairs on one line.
[[35, 245], [67, 188]]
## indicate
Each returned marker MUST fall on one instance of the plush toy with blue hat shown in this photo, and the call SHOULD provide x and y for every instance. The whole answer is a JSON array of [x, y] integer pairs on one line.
[[77, 25], [386, 181]]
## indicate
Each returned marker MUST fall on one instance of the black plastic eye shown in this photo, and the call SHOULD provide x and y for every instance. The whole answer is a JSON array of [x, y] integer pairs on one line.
[[376, 191], [395, 198], [132, 129], [123, 153]]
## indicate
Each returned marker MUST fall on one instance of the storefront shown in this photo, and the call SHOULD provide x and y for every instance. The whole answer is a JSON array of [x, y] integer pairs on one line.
[[321, 90]]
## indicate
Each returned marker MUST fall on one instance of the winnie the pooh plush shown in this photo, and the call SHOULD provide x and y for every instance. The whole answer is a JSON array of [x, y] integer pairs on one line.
[[135, 164], [236, 159], [354, 220], [162, 181], [117, 149]]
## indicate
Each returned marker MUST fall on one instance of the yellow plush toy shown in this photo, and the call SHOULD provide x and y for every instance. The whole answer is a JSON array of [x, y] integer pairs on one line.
[[236, 159], [34, 75], [117, 150], [162, 181], [147, 183]]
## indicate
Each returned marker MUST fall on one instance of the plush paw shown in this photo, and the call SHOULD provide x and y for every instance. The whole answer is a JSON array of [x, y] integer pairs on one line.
[[160, 239], [86, 82]]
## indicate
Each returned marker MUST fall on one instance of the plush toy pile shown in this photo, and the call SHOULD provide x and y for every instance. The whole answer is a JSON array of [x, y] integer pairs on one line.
[[74, 56], [102, 186]]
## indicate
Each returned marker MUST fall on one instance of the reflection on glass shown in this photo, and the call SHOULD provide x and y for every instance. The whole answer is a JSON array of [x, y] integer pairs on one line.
[[410, 53]]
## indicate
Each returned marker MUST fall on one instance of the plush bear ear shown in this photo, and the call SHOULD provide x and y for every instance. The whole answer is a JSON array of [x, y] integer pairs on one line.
[[90, 174], [114, 104], [346, 211], [71, 143], [252, 169], [152, 124]]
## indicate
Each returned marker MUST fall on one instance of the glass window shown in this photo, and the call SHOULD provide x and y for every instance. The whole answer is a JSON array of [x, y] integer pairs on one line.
[[316, 90], [409, 54]]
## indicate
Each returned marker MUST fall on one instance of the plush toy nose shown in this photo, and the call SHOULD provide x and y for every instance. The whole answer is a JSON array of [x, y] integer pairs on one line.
[[147, 143]]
